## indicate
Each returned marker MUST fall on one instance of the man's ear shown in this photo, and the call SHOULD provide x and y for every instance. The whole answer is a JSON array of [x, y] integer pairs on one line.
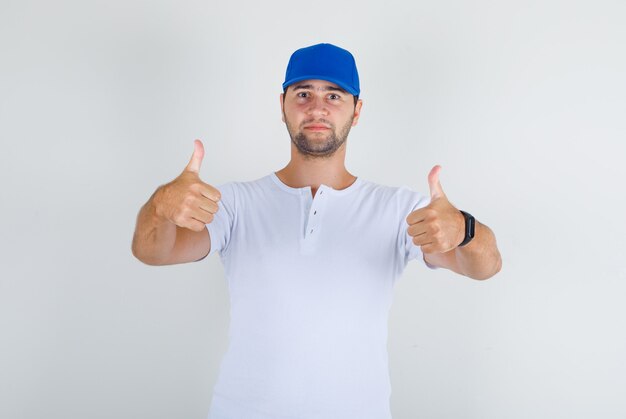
[[357, 111], [282, 106]]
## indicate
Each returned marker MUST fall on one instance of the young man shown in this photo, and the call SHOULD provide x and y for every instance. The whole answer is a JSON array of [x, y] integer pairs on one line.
[[311, 253]]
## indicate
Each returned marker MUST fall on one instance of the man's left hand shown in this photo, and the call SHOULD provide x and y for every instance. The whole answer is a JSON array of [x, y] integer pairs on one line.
[[438, 227]]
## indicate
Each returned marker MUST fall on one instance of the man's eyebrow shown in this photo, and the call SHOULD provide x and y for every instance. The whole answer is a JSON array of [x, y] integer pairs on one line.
[[327, 88]]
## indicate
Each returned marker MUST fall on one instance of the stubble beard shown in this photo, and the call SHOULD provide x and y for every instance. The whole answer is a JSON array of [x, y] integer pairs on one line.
[[315, 145]]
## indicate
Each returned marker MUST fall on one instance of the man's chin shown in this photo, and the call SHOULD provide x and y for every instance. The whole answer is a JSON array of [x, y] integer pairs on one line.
[[317, 153], [311, 149], [316, 144]]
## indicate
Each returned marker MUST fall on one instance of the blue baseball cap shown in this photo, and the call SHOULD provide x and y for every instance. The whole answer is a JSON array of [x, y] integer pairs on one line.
[[323, 62]]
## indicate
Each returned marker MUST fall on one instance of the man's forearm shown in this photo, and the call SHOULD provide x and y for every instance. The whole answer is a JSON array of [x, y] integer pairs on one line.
[[154, 236], [480, 258]]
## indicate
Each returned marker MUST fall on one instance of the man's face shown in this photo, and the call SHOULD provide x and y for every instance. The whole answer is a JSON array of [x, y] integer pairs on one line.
[[318, 115]]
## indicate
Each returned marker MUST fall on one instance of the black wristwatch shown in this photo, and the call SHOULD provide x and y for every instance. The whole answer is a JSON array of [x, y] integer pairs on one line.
[[469, 228]]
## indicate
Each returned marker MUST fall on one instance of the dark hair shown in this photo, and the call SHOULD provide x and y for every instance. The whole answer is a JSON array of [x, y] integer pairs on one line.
[[356, 98]]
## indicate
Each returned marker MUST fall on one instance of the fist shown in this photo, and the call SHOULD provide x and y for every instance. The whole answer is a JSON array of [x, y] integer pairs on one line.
[[187, 201], [438, 227]]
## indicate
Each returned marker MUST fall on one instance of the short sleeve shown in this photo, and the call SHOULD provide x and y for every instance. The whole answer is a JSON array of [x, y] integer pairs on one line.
[[411, 201], [221, 227]]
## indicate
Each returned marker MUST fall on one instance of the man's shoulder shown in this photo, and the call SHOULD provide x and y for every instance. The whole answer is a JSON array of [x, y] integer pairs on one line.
[[245, 184], [403, 196], [391, 190], [235, 190]]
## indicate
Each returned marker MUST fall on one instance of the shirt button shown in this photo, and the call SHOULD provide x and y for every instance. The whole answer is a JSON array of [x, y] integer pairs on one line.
[[315, 212]]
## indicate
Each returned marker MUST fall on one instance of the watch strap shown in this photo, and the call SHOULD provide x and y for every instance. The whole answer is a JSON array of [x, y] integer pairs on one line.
[[470, 224]]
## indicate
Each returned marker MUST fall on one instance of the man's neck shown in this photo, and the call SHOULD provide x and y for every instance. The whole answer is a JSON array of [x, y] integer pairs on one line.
[[301, 172]]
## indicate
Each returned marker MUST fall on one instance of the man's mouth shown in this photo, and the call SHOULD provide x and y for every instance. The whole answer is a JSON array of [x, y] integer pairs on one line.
[[316, 127]]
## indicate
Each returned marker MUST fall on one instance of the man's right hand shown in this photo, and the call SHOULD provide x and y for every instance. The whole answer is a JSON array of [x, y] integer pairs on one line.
[[187, 201]]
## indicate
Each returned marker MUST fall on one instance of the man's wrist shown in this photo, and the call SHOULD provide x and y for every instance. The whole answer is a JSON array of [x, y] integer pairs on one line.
[[155, 206], [469, 229]]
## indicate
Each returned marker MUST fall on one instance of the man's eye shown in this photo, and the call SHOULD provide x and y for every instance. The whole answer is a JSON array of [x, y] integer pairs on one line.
[[334, 96], [302, 94]]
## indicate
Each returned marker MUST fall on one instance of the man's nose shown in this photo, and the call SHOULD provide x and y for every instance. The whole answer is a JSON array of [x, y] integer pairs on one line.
[[318, 106]]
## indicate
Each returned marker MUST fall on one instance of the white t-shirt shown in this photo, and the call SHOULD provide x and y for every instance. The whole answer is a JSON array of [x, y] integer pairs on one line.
[[310, 283]]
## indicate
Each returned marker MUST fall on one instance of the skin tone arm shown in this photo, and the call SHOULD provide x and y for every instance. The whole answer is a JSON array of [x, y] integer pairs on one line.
[[439, 227], [171, 226]]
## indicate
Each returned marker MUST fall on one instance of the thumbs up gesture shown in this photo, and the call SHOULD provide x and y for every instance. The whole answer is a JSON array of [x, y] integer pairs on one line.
[[187, 201], [438, 227]]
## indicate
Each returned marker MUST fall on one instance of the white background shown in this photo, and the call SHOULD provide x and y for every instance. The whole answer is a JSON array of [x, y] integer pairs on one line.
[[522, 103]]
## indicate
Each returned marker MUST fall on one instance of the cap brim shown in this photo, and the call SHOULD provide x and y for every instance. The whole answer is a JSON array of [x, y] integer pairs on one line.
[[319, 77]]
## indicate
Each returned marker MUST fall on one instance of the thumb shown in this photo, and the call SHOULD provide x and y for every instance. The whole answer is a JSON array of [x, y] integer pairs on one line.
[[436, 191], [196, 158]]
